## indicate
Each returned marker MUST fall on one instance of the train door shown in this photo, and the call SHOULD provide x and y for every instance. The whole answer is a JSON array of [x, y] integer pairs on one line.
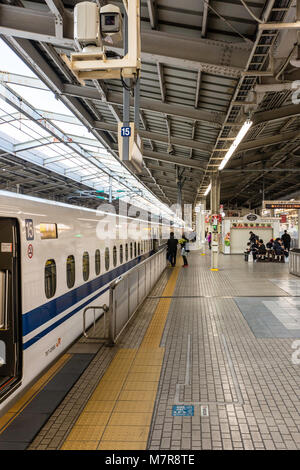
[[10, 306]]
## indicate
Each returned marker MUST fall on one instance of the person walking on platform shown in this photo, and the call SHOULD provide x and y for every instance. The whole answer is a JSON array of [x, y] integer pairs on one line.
[[209, 240], [172, 249], [286, 240], [184, 249]]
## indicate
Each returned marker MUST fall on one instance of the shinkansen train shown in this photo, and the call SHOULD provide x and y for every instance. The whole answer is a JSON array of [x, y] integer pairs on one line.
[[55, 259]]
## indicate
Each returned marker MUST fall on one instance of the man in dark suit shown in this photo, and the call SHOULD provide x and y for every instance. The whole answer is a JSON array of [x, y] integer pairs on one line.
[[286, 240], [172, 249]]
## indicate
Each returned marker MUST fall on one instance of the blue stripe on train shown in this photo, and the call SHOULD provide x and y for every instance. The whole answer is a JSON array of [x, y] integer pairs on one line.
[[42, 314]]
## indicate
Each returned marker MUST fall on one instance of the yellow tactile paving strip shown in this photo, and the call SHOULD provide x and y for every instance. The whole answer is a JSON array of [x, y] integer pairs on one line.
[[119, 412], [19, 406]]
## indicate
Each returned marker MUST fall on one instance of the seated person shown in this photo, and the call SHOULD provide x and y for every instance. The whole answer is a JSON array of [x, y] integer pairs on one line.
[[278, 248], [247, 251], [261, 250], [270, 249], [254, 249]]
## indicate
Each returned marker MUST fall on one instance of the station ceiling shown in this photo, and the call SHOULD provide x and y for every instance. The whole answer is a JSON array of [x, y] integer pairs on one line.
[[206, 67]]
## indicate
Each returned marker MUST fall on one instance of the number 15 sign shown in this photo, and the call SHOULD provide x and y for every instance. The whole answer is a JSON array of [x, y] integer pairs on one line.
[[125, 131]]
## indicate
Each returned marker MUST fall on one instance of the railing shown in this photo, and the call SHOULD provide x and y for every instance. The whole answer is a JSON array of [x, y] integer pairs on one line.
[[126, 294], [129, 291], [294, 261], [105, 310]]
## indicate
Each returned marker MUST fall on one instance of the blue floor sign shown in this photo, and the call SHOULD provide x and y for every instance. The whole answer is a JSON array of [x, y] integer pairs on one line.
[[183, 410]]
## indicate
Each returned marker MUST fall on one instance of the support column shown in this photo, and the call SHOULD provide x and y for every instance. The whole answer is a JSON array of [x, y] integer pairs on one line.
[[126, 94], [180, 182], [200, 223], [215, 225], [299, 229]]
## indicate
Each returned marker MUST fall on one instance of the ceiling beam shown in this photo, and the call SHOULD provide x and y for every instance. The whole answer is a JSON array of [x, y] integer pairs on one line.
[[165, 157], [157, 46], [266, 141], [115, 98], [153, 16], [162, 85], [204, 18]]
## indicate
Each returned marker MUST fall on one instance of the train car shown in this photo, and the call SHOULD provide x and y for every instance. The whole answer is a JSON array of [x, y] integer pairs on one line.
[[55, 259]]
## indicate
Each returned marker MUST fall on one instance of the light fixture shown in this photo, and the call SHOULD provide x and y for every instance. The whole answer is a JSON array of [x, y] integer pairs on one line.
[[207, 190], [243, 131]]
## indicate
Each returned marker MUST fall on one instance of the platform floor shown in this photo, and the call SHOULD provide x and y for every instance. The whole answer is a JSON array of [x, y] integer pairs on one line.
[[221, 348]]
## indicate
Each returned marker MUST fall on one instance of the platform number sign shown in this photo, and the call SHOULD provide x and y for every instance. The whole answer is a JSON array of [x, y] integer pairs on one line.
[[125, 131], [29, 229]]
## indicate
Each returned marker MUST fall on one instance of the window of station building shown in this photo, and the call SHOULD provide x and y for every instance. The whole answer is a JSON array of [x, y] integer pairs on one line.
[[50, 278], [107, 259], [115, 256], [126, 252], [131, 252], [85, 266], [70, 271], [139, 248], [121, 254], [134, 249], [97, 262]]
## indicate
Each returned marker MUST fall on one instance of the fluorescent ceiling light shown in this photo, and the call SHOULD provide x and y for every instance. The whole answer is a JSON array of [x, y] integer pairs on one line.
[[207, 190], [243, 131]]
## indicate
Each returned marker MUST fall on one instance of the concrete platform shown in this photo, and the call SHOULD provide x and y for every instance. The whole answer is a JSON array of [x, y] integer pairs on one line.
[[209, 362]]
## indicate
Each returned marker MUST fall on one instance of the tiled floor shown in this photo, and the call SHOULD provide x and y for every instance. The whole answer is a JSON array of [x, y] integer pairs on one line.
[[246, 381], [228, 354]]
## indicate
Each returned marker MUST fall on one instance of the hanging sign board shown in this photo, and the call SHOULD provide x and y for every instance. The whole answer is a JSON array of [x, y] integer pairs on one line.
[[281, 204]]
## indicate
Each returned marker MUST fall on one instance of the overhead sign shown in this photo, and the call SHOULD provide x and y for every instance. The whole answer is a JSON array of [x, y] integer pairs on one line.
[[252, 217], [282, 204]]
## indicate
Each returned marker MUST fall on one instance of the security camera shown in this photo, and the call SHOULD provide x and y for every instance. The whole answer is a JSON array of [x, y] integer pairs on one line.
[[92, 26], [111, 24], [87, 24]]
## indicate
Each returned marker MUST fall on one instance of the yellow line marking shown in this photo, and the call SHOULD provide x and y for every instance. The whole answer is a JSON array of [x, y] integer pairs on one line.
[[28, 396], [123, 402]]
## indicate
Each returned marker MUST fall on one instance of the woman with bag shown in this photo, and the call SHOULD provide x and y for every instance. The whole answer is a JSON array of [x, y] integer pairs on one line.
[[184, 249]]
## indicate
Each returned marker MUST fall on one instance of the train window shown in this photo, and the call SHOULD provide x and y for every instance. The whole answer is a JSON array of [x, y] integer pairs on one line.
[[115, 256], [70, 271], [126, 251], [85, 266], [50, 278], [97, 262], [134, 249], [139, 248], [131, 253], [121, 254], [107, 259], [48, 231]]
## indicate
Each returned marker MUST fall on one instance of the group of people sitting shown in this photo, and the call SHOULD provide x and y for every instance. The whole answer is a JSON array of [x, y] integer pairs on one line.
[[172, 245], [275, 250]]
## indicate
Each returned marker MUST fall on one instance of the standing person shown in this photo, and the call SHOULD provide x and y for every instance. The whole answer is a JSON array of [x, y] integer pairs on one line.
[[209, 240], [184, 249], [172, 249], [252, 237], [286, 239]]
